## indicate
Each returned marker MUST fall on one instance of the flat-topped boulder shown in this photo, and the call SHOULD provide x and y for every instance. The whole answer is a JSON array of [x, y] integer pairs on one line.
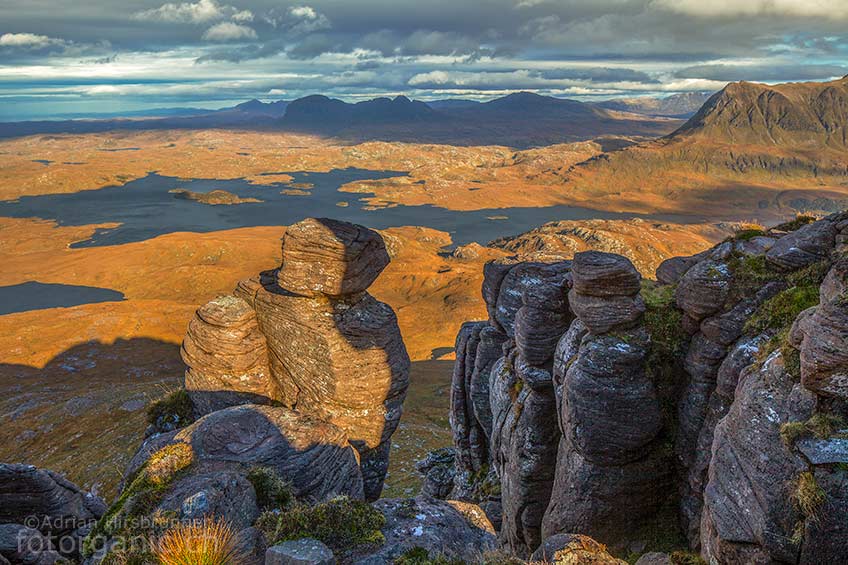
[[329, 257]]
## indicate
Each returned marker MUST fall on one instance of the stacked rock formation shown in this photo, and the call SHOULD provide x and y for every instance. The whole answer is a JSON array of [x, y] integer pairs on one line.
[[503, 407], [611, 471], [43, 516], [524, 425], [309, 336]]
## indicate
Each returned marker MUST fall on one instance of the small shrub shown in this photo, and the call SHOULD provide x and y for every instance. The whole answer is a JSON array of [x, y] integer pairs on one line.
[[173, 411], [746, 234], [272, 491], [342, 524], [799, 222], [809, 496], [201, 543]]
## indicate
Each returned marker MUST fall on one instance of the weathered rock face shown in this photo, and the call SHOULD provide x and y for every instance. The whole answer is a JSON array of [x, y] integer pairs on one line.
[[807, 245], [522, 398], [308, 335], [26, 546], [610, 470], [59, 510], [324, 257], [748, 514], [455, 530], [824, 357], [242, 437], [227, 357]]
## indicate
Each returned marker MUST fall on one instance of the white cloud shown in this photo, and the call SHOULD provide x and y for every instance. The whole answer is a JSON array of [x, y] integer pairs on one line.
[[228, 31], [187, 12], [306, 19], [27, 40], [243, 16], [729, 8]]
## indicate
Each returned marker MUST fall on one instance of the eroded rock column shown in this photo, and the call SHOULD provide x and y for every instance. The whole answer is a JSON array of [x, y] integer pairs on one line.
[[612, 471]]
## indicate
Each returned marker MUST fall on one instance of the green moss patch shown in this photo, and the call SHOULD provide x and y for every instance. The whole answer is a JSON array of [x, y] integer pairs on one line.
[[781, 310], [133, 516], [821, 426], [272, 491], [343, 524]]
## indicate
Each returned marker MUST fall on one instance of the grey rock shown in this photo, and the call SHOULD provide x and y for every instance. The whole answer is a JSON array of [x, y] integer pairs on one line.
[[455, 530], [835, 283], [222, 494], [305, 551], [824, 350], [804, 246], [21, 545], [702, 291], [605, 314], [824, 451], [439, 471], [573, 548], [654, 558]]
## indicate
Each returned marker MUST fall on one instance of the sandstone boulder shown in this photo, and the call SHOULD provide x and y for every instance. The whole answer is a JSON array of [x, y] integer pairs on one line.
[[20, 545], [338, 359], [227, 357], [574, 549], [313, 455], [703, 289], [804, 246], [824, 350], [327, 257], [57, 508]]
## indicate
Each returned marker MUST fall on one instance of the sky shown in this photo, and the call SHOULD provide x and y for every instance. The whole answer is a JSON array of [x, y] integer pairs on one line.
[[59, 57]]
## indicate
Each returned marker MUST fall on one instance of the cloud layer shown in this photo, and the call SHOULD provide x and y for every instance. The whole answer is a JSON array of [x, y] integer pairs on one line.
[[102, 54]]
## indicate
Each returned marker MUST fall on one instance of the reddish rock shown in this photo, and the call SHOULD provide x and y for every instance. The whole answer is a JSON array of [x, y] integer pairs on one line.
[[227, 357], [328, 257]]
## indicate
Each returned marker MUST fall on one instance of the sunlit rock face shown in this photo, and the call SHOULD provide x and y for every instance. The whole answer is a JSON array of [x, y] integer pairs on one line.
[[309, 336]]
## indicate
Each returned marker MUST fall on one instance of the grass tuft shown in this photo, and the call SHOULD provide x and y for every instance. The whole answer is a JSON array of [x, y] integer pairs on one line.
[[210, 542], [173, 411], [809, 496], [272, 491], [792, 225], [341, 523]]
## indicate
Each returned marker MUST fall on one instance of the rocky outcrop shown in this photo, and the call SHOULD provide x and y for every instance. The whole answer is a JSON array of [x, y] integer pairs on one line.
[[532, 307], [227, 358], [573, 549], [308, 335], [45, 508], [611, 472], [240, 438], [448, 528], [300, 552]]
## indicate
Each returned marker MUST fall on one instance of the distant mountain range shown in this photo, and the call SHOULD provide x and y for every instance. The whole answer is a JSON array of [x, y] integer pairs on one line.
[[770, 146], [682, 105], [521, 119]]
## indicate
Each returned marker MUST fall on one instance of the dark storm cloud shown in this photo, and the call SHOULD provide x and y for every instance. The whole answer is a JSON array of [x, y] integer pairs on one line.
[[282, 48]]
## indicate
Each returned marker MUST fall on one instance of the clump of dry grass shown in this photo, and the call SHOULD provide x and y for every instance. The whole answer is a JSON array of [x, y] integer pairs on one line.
[[210, 542], [167, 462]]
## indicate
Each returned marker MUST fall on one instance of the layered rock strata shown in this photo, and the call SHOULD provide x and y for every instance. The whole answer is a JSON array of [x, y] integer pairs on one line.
[[611, 469]]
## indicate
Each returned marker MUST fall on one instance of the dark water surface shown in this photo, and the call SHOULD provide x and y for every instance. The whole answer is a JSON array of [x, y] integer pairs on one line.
[[38, 296], [145, 209]]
